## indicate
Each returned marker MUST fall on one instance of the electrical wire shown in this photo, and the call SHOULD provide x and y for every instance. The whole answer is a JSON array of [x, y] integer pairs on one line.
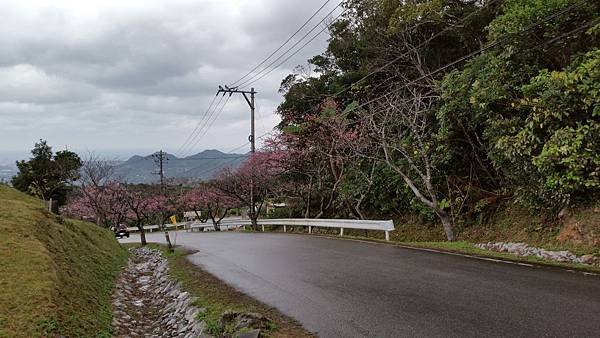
[[207, 126], [282, 45], [427, 41], [198, 175], [193, 133], [259, 75], [475, 53]]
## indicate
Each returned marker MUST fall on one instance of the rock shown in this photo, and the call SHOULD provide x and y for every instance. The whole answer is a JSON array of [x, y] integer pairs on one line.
[[147, 303], [250, 334], [588, 259], [249, 320], [522, 249], [564, 213]]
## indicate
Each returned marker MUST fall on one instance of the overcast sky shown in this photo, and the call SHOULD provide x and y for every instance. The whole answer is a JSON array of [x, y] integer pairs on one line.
[[123, 77]]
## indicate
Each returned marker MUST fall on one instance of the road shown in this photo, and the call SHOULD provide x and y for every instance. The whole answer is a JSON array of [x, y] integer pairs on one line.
[[339, 288]]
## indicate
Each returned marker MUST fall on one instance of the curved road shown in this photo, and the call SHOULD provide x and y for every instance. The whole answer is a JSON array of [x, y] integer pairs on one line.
[[339, 288]]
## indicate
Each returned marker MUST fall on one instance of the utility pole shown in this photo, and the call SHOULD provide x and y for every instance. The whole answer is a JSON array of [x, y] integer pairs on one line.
[[252, 138], [160, 158]]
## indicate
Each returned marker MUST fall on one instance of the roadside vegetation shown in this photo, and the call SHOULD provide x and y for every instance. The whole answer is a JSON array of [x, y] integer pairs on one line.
[[56, 274]]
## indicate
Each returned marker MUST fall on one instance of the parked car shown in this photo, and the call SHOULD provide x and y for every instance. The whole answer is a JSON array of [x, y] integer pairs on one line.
[[121, 232]]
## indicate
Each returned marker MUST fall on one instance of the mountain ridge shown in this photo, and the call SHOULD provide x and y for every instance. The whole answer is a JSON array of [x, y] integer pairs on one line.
[[204, 165]]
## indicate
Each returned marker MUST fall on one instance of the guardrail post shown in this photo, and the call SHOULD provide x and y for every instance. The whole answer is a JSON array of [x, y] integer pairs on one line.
[[341, 231], [309, 229], [284, 228], [387, 236], [263, 228]]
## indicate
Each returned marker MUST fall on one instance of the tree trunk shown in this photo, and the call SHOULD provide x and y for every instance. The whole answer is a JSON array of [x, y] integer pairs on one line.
[[446, 223], [213, 218], [143, 235], [215, 223], [169, 241], [254, 223]]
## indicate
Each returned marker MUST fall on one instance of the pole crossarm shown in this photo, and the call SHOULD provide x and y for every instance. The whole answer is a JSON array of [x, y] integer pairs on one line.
[[235, 90]]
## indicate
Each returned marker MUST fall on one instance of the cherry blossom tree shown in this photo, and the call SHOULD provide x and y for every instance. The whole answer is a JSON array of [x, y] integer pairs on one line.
[[105, 204], [322, 161], [97, 185], [257, 176], [213, 201], [141, 207]]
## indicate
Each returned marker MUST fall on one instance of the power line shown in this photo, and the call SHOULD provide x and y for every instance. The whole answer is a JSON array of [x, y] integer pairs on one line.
[[222, 164], [282, 45], [541, 44], [209, 158], [477, 52], [191, 144], [253, 78], [427, 41], [207, 126], [200, 125], [197, 125], [201, 128]]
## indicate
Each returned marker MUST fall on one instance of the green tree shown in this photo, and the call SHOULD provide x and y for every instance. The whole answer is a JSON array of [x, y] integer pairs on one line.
[[560, 138], [490, 106], [47, 175]]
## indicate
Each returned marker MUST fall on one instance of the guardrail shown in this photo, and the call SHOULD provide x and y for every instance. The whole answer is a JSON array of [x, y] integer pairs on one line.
[[152, 228], [210, 227], [341, 224]]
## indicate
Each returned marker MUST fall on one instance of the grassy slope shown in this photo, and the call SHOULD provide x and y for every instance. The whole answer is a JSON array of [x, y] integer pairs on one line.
[[55, 275]]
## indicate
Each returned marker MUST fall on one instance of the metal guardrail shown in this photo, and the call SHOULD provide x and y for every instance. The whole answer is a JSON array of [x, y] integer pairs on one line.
[[341, 224], [152, 228]]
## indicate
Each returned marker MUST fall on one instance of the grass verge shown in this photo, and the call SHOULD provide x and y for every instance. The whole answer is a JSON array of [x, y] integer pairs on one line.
[[217, 297], [56, 275]]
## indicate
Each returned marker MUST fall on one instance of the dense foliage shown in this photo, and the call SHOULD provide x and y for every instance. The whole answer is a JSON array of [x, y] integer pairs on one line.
[[445, 109]]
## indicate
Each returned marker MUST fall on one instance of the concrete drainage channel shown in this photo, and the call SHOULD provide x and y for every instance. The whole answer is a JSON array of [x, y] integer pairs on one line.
[[148, 303]]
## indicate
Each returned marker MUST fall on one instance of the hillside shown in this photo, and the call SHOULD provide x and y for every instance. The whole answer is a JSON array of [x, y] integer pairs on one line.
[[56, 275], [204, 165]]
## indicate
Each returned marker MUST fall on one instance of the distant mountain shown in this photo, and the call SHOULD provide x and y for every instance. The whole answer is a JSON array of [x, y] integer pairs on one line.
[[202, 166]]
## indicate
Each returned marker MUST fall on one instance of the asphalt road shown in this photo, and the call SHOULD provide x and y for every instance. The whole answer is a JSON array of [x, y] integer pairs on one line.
[[339, 288]]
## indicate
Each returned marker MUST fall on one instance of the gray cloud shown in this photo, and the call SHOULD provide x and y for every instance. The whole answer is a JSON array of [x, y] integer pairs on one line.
[[100, 75]]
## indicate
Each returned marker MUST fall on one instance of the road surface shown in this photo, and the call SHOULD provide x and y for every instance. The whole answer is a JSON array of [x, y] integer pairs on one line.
[[339, 288]]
